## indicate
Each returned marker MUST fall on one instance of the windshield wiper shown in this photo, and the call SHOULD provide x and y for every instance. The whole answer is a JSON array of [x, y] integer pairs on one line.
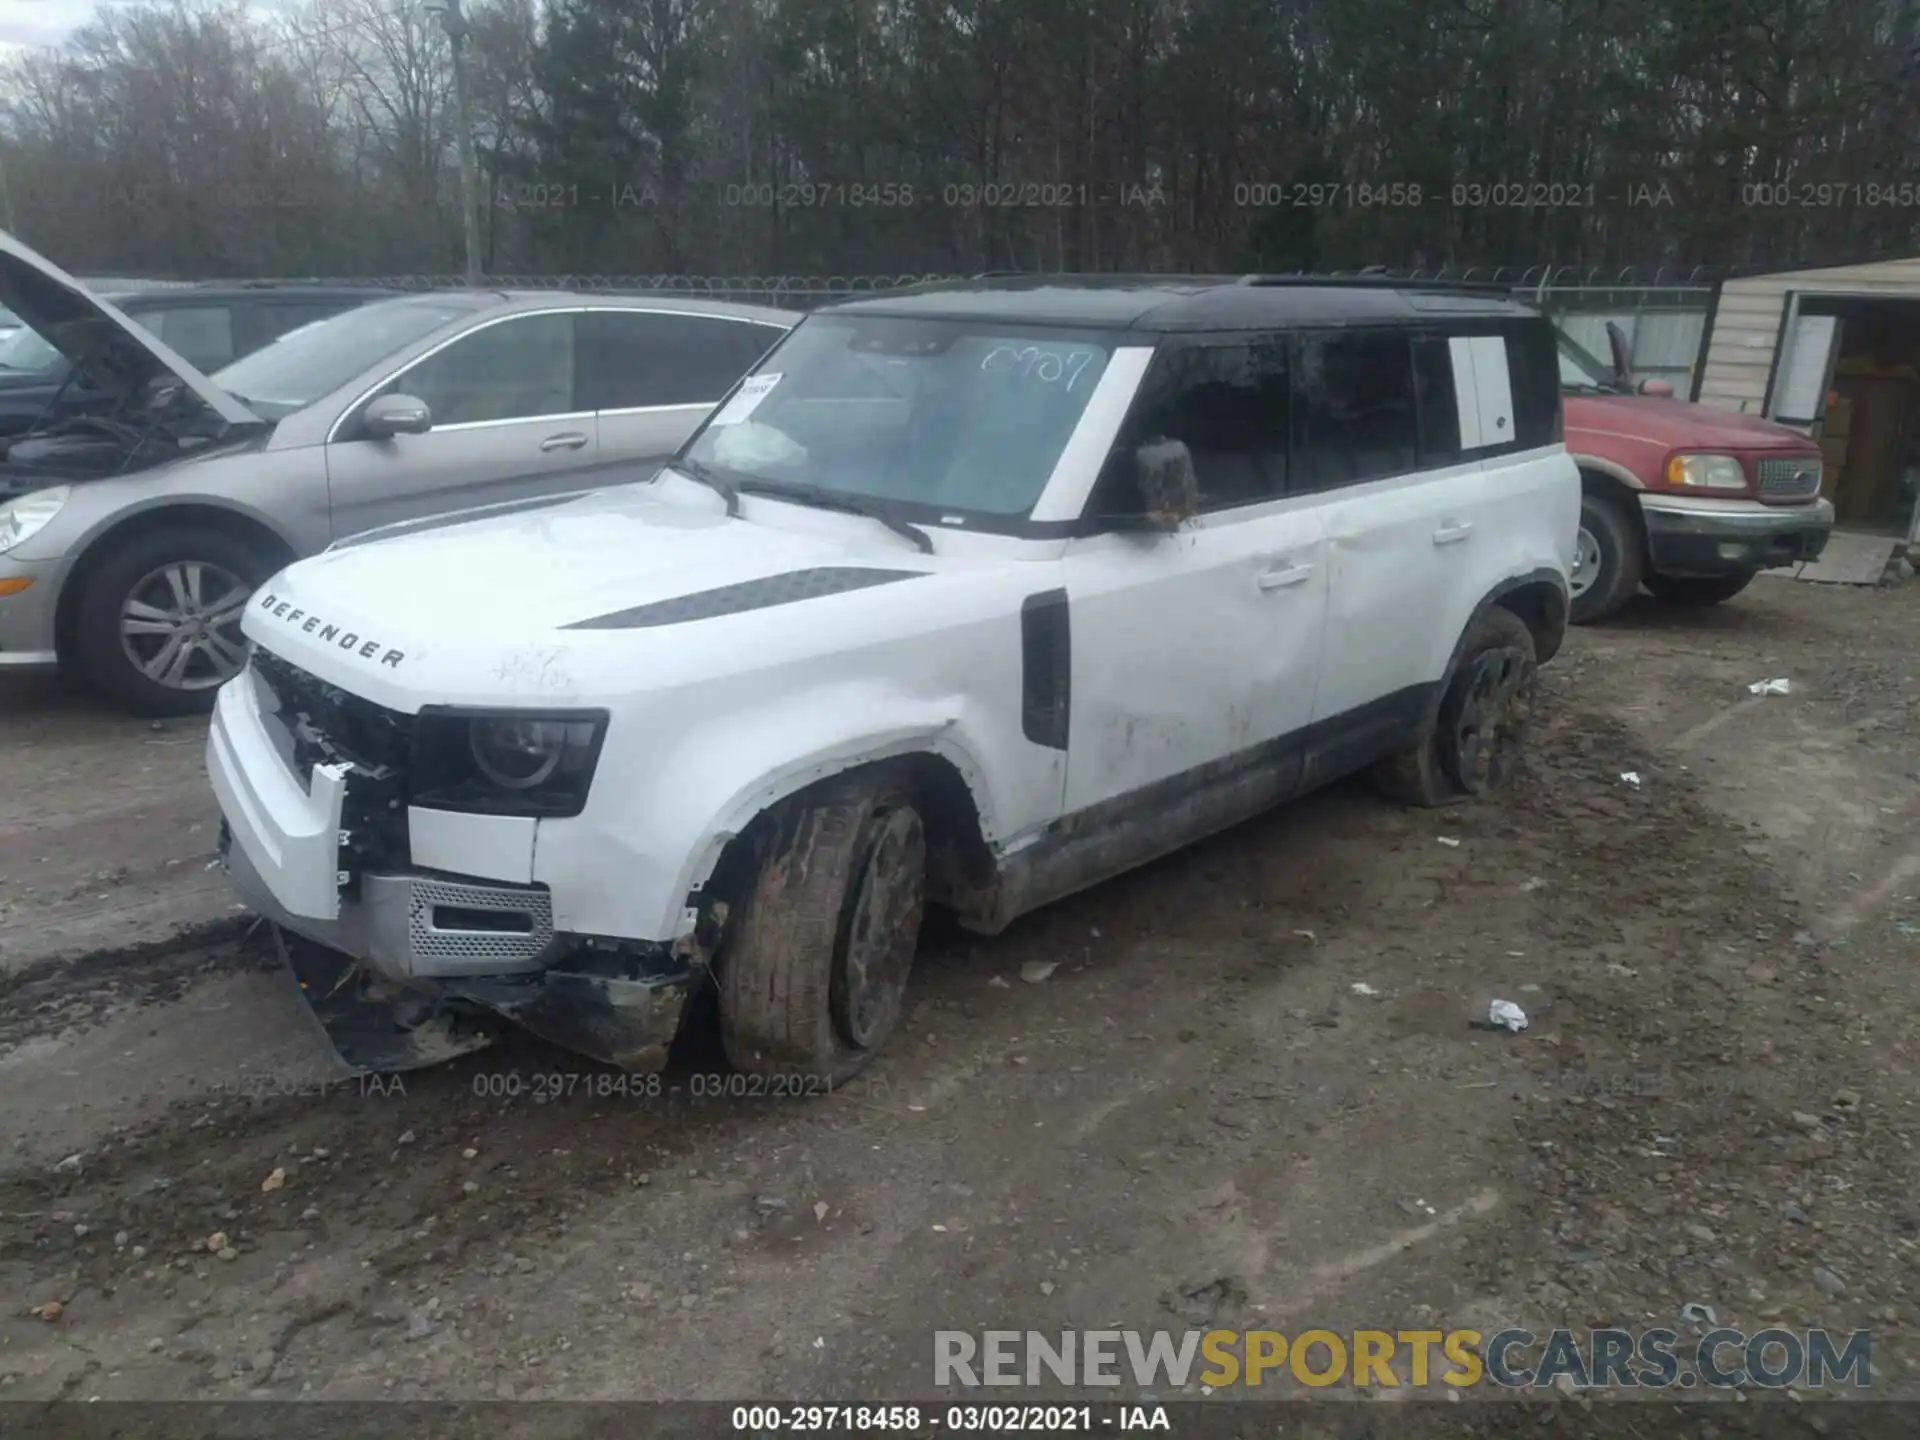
[[835, 500], [706, 475]]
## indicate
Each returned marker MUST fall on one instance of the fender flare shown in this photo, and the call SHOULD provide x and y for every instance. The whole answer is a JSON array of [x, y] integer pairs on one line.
[[1557, 622], [748, 802], [1609, 468]]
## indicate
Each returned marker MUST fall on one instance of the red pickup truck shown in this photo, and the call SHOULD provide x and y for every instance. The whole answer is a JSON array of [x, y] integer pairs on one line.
[[1689, 501]]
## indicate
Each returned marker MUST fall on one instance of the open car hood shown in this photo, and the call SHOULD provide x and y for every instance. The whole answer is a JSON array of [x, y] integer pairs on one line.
[[89, 331]]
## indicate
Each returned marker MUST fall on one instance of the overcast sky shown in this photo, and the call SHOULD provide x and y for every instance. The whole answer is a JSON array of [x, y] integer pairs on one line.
[[40, 22], [43, 22]]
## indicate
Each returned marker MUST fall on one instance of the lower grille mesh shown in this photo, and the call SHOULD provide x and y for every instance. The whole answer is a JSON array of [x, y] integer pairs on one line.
[[430, 942]]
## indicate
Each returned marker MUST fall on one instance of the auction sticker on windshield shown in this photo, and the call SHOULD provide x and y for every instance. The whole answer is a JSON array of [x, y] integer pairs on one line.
[[746, 399]]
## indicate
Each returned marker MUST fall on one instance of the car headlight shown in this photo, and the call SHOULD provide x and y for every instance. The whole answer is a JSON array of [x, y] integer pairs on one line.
[[513, 762], [27, 516], [1707, 472]]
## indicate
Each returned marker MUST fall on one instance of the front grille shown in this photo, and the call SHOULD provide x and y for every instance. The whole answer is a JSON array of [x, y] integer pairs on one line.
[[329, 726], [1793, 479]]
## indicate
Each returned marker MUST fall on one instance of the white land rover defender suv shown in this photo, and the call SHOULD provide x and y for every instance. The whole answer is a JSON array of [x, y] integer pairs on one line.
[[969, 595]]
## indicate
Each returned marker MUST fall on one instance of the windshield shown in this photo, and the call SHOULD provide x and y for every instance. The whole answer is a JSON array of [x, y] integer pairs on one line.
[[1580, 371], [25, 350], [304, 364], [955, 418]]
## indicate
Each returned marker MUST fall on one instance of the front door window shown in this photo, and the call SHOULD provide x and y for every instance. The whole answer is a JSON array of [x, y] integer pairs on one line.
[[518, 369]]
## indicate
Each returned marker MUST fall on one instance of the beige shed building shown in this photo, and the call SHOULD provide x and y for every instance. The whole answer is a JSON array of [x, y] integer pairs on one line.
[[1834, 352]]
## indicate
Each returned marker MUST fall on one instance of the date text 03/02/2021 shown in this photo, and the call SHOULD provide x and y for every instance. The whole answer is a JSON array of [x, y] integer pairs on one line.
[[545, 1085], [961, 1419]]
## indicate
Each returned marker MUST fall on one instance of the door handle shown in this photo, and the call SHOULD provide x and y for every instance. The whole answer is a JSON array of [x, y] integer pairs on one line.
[[1451, 533], [1283, 576], [566, 440]]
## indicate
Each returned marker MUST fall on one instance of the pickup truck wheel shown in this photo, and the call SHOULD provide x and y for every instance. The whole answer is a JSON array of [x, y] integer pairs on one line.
[[1699, 589], [157, 628], [1608, 561], [815, 973], [1478, 736]]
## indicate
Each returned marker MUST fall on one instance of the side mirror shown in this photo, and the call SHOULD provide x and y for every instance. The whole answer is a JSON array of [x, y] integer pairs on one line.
[[1656, 387], [1622, 355], [392, 415], [1169, 488]]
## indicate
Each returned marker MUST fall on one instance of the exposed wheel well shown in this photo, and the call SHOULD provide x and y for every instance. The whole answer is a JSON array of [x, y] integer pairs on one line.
[[960, 865], [211, 517], [1542, 607]]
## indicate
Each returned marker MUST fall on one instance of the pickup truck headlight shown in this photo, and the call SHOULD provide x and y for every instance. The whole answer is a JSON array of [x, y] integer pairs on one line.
[[27, 516], [506, 762], [1706, 472]]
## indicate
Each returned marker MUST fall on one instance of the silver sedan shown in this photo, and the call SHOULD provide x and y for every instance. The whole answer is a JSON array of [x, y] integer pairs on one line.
[[132, 534]]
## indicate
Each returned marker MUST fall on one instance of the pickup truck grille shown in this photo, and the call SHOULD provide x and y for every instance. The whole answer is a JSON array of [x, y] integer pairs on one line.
[[328, 726], [1795, 479]]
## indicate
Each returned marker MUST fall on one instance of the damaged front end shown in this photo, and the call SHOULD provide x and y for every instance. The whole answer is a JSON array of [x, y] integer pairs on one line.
[[418, 969], [620, 1003]]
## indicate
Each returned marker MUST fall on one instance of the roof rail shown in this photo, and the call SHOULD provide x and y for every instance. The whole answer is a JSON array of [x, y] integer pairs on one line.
[[1376, 277], [1102, 277], [295, 283], [1371, 276]]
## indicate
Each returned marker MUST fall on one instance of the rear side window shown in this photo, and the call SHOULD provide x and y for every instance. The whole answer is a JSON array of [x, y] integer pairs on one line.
[[265, 321], [1439, 402], [636, 358], [1229, 405], [1533, 363], [1355, 415], [202, 334]]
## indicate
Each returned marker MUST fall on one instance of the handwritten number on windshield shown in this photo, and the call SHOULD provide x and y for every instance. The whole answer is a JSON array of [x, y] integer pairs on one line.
[[1032, 362]]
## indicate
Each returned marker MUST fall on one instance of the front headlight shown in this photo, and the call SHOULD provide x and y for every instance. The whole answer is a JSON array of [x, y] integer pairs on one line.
[[27, 516], [1706, 472], [514, 762]]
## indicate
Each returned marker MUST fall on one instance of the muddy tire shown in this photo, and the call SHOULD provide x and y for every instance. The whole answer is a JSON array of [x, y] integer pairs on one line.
[[814, 973], [1698, 589], [1611, 560], [1478, 736], [157, 627]]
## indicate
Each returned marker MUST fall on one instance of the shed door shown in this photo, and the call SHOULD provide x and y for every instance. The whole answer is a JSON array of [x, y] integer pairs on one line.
[[1805, 371]]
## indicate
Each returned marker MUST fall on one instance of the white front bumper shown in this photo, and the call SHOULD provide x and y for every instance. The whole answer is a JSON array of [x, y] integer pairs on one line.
[[282, 855], [290, 833]]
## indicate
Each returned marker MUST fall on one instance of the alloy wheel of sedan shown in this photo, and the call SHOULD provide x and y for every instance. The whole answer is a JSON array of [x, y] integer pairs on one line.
[[180, 625]]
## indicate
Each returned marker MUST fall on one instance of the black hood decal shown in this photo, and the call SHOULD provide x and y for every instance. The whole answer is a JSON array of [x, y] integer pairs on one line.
[[748, 595]]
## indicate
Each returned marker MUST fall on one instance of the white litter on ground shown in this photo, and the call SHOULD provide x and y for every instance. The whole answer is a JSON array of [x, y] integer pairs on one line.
[[1360, 987], [1448, 840], [1631, 777], [1507, 1015], [1770, 687]]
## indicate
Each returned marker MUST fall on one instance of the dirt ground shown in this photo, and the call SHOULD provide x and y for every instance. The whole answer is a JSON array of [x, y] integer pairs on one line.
[[1198, 1117]]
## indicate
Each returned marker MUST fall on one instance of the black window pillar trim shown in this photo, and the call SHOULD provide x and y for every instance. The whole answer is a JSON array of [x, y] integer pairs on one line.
[[1046, 669]]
